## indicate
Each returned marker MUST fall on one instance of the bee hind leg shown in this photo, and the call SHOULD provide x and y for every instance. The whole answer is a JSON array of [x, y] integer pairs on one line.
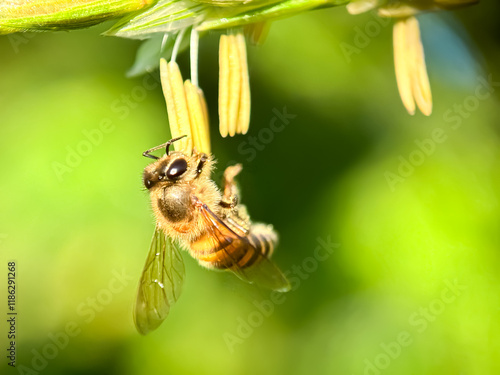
[[232, 211]]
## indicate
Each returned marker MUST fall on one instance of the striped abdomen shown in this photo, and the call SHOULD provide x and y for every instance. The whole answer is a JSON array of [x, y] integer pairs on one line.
[[222, 248]]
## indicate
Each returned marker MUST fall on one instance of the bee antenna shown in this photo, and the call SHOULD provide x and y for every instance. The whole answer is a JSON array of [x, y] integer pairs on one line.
[[148, 152], [172, 141]]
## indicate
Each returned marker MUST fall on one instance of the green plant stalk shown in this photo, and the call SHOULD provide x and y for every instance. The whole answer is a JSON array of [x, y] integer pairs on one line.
[[280, 10], [62, 14]]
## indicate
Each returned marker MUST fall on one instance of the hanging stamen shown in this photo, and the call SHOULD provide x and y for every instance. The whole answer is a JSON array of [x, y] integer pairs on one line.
[[169, 99], [223, 84], [402, 66], [175, 97], [197, 106], [186, 106], [411, 71], [181, 108], [421, 86], [244, 107], [234, 87], [198, 117]]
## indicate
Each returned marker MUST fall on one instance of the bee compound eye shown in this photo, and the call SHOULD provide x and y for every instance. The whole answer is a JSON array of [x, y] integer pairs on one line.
[[148, 183], [177, 168], [147, 180]]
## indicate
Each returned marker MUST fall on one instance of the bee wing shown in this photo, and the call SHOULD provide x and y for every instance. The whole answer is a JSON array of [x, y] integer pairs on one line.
[[262, 272], [160, 285]]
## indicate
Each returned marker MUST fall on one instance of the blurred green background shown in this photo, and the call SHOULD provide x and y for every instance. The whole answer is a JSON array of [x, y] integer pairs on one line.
[[412, 286]]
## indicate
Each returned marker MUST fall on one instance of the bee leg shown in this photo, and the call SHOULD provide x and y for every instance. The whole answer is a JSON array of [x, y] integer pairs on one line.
[[201, 163], [231, 192], [243, 214]]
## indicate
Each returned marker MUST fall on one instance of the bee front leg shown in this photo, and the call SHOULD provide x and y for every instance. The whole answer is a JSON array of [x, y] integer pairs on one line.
[[231, 194]]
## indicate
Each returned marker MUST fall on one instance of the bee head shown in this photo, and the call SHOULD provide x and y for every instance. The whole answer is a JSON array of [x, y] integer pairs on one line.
[[173, 166], [170, 168]]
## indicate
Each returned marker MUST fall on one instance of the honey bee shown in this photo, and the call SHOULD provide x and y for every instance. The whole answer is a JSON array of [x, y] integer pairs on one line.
[[212, 225]]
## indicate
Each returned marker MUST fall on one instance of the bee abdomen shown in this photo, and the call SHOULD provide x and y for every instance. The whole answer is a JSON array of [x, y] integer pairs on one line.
[[236, 253], [262, 240]]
